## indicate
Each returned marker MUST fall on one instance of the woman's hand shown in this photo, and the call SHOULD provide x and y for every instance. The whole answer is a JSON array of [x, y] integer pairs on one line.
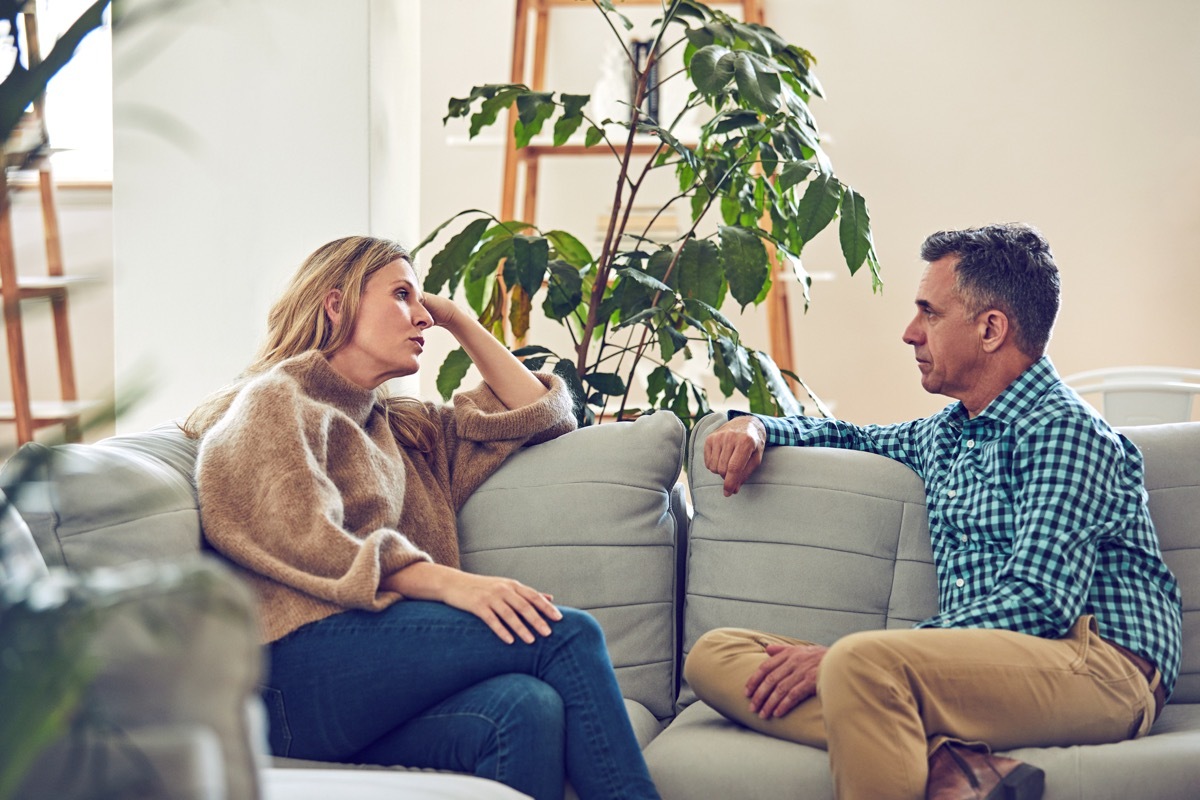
[[506, 605], [442, 309], [509, 380]]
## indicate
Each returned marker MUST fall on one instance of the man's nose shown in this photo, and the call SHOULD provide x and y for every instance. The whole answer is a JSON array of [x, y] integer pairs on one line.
[[911, 334]]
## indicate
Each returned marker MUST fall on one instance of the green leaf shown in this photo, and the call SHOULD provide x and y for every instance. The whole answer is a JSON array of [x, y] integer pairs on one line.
[[819, 205], [657, 382], [699, 202], [736, 119], [755, 83], [569, 248], [649, 281], [533, 109], [442, 227], [594, 135], [531, 257], [855, 229], [447, 266], [451, 373], [707, 311], [731, 209], [564, 292], [700, 272], [572, 116], [745, 261], [641, 316], [776, 385], [737, 359], [670, 342], [794, 173], [490, 108], [478, 290], [532, 350], [486, 259], [609, 383], [712, 68]]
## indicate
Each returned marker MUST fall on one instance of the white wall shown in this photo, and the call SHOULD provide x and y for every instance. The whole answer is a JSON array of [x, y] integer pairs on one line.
[[1080, 116], [259, 149]]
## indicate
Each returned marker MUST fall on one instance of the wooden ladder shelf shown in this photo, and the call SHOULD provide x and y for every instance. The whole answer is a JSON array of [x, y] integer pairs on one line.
[[29, 415]]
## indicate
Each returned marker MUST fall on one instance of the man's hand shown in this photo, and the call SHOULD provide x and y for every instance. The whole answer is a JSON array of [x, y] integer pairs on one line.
[[785, 680], [735, 450]]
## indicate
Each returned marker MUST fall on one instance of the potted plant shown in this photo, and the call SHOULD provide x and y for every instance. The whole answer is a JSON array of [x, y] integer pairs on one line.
[[757, 163]]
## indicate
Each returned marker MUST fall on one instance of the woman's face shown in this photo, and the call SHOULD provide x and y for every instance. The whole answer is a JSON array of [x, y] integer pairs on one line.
[[387, 338]]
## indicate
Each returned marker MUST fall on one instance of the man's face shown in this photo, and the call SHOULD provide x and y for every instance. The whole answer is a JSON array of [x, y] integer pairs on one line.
[[945, 340]]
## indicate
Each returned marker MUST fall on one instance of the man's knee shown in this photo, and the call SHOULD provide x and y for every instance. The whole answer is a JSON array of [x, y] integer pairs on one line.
[[866, 658], [714, 652]]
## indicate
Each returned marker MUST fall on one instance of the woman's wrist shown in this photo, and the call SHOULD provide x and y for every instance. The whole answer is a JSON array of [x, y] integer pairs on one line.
[[420, 580]]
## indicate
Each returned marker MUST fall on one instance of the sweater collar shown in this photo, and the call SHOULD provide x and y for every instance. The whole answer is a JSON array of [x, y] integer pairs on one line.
[[322, 382]]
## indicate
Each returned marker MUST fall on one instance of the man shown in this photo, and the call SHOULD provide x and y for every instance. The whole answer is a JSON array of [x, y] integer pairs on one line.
[[1059, 622]]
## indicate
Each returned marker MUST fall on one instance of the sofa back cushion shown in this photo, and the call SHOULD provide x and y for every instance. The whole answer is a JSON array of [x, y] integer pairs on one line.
[[818, 543], [823, 542], [123, 499], [591, 518], [1172, 454]]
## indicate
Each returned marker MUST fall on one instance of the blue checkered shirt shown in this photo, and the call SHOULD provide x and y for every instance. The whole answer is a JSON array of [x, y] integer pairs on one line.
[[1037, 514]]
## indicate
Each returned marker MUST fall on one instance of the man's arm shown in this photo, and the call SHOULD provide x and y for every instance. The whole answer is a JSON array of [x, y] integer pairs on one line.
[[735, 450]]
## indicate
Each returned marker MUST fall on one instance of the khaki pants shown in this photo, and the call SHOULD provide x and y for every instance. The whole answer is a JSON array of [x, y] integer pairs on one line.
[[886, 699]]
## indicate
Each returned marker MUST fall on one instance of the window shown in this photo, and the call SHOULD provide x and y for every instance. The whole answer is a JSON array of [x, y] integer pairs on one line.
[[79, 97]]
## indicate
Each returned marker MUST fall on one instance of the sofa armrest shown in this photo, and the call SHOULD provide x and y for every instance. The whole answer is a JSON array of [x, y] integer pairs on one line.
[[589, 518]]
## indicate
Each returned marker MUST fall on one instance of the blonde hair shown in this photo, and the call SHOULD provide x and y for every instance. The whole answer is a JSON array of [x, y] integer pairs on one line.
[[298, 323]]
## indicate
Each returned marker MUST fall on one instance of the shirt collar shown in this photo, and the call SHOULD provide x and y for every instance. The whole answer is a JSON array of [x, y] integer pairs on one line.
[[1022, 395]]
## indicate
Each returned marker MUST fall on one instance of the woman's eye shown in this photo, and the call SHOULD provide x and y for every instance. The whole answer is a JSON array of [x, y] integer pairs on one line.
[[402, 294]]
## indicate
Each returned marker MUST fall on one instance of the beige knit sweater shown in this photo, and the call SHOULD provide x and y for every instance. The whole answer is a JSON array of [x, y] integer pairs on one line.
[[303, 487]]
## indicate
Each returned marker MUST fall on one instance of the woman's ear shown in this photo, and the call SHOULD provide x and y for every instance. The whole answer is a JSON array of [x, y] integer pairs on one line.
[[333, 305]]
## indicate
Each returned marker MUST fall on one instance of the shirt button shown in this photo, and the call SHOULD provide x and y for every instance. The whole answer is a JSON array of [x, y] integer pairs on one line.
[[951, 493], [960, 583], [963, 537], [970, 443]]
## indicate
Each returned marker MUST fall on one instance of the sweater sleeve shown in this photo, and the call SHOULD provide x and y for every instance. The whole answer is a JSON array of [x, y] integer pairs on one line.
[[480, 432], [267, 504]]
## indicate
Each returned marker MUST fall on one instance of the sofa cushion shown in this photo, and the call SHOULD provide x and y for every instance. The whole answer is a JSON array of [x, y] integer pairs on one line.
[[1172, 454], [123, 499], [818, 543], [702, 754], [589, 518]]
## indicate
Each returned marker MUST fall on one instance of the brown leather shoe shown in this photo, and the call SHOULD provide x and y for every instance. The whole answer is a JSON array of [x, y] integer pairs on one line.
[[960, 773]]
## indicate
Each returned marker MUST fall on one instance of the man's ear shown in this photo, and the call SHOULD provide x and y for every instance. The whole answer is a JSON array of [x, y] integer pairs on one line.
[[993, 329], [333, 305]]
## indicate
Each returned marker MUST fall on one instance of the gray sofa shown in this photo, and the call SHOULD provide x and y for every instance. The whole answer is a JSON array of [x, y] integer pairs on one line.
[[819, 543]]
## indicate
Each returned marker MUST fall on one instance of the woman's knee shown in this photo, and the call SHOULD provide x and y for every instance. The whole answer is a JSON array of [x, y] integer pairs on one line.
[[582, 629], [526, 702]]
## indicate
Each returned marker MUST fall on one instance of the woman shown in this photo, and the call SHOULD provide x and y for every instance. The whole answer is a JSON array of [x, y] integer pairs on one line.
[[338, 504]]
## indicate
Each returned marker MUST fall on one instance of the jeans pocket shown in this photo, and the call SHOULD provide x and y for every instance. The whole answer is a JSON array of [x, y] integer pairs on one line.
[[279, 735]]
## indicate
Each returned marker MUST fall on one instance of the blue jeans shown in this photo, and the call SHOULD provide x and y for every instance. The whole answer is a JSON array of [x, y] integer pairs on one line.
[[422, 684]]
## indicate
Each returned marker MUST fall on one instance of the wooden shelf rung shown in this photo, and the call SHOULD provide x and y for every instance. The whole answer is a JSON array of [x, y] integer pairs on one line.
[[51, 286], [47, 412]]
